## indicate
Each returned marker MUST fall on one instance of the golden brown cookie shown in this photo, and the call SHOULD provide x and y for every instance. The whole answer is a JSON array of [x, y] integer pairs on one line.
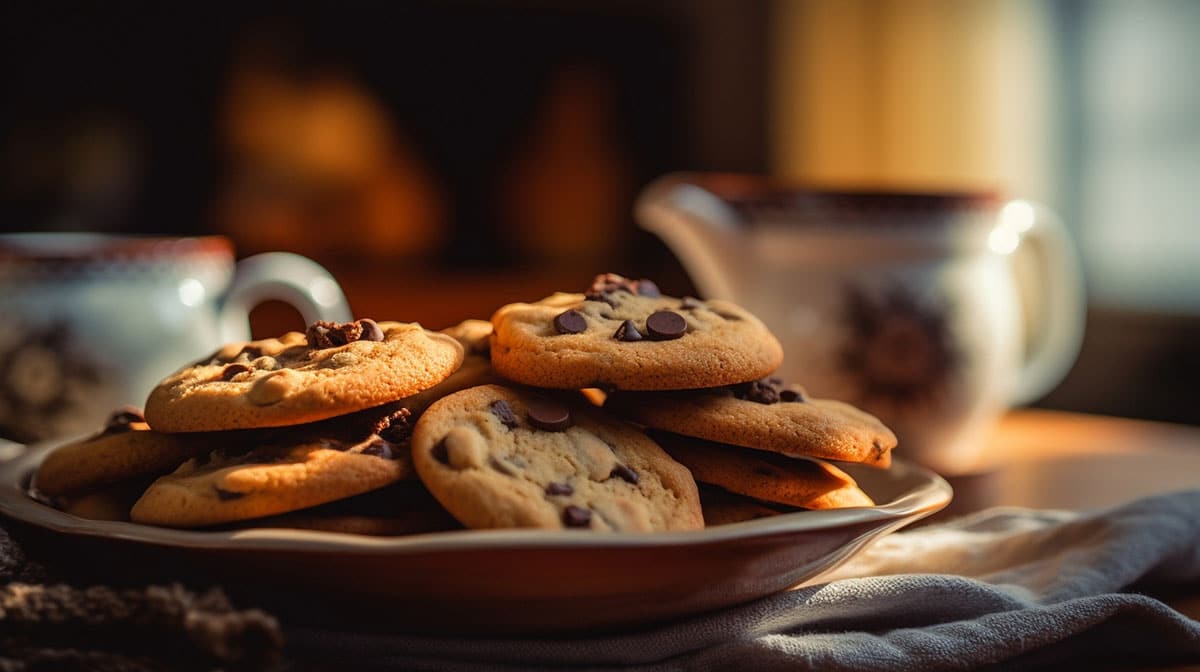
[[769, 477], [765, 415], [623, 334], [126, 448], [303, 469], [499, 457], [112, 502], [297, 378], [722, 507], [476, 369]]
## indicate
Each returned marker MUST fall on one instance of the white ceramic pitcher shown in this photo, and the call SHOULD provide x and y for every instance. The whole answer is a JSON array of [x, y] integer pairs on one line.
[[932, 311]]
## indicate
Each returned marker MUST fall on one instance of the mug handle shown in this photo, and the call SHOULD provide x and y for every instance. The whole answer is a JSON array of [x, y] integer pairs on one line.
[[1060, 319], [283, 276]]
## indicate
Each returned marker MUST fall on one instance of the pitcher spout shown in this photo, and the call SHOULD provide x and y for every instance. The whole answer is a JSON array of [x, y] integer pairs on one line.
[[700, 228]]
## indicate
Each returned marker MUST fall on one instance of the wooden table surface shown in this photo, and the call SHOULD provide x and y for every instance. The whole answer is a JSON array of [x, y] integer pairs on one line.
[[1052, 459]]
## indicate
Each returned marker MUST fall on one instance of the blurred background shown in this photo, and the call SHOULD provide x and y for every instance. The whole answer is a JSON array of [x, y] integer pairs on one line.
[[444, 158]]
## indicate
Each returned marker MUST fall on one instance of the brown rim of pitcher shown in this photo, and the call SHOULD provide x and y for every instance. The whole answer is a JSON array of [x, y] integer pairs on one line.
[[64, 248], [752, 195]]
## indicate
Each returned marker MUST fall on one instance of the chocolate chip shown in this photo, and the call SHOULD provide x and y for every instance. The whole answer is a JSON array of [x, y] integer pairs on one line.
[[665, 325], [570, 322], [369, 330], [690, 303], [628, 475], [758, 391], [560, 489], [396, 428], [628, 331], [322, 334], [380, 448], [791, 395], [440, 453], [647, 288], [576, 516], [226, 495], [504, 412], [549, 415], [231, 370]]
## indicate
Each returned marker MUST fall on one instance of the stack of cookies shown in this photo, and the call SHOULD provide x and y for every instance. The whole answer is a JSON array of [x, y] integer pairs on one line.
[[617, 409]]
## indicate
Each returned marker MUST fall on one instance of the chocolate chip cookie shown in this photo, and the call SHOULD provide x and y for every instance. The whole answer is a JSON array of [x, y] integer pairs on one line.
[[498, 457], [331, 370], [302, 469], [765, 476], [476, 369], [125, 449], [767, 415], [623, 334]]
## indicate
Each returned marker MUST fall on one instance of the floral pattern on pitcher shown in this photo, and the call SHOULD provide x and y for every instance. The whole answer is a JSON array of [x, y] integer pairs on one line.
[[900, 351], [45, 381]]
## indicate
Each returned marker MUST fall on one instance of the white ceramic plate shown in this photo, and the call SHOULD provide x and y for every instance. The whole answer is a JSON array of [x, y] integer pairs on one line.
[[499, 581]]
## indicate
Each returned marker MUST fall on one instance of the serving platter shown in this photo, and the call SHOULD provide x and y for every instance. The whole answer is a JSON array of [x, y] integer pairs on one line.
[[493, 582]]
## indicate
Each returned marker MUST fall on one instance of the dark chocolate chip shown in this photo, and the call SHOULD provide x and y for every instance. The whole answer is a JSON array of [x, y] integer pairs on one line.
[[504, 412], [396, 427], [576, 516], [380, 448], [628, 331], [648, 288], [570, 322], [665, 325], [758, 391], [226, 495], [560, 489], [370, 330], [791, 395], [322, 334], [231, 370], [439, 453], [628, 475], [548, 414], [690, 303]]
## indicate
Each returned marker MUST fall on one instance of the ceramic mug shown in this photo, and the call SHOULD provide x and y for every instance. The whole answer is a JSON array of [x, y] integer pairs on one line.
[[93, 321], [935, 312]]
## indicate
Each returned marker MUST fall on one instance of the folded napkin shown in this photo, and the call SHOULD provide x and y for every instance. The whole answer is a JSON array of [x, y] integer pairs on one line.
[[1007, 588]]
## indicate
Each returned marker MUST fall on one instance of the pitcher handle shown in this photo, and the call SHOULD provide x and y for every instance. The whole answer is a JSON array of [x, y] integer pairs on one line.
[[282, 276], [1059, 323]]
